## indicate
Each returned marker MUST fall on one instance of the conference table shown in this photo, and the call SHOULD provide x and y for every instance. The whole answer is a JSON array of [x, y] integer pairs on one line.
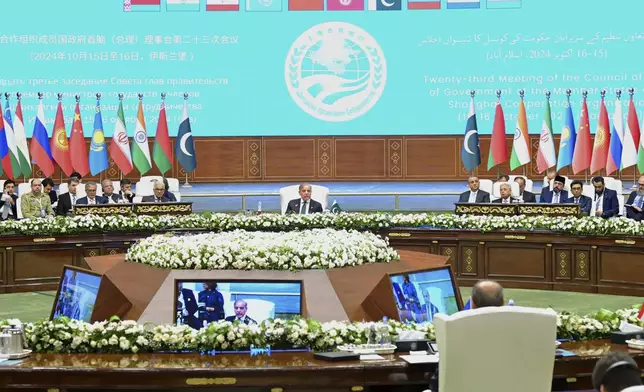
[[282, 371]]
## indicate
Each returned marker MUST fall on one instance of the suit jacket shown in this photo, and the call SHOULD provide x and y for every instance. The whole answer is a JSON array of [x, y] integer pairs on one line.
[[99, 200], [170, 196], [529, 197], [247, 320], [499, 201], [632, 213], [610, 206], [53, 196], [14, 209], [64, 207], [546, 196], [294, 206], [585, 204], [115, 197], [153, 199], [481, 197]]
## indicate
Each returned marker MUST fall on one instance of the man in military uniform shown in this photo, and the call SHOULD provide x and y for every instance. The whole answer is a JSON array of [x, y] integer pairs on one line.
[[214, 302], [36, 204]]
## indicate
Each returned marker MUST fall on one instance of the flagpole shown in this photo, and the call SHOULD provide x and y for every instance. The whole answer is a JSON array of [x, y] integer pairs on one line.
[[631, 91], [186, 184]]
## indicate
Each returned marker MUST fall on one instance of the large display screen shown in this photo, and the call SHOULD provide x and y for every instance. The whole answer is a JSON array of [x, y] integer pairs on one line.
[[421, 295], [319, 67], [76, 294], [250, 302]]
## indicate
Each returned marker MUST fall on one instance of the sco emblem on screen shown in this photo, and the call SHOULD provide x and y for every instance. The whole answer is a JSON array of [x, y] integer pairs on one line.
[[335, 71]]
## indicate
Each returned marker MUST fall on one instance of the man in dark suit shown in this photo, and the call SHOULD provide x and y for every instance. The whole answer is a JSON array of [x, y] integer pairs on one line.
[[66, 201], [213, 301], [557, 195], [189, 310], [635, 202], [605, 203], [585, 202], [126, 190], [158, 197], [304, 205], [524, 196], [8, 201], [506, 195], [91, 198], [240, 313], [474, 195], [108, 192]]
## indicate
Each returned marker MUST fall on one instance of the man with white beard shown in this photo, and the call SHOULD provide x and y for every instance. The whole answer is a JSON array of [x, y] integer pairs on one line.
[[635, 202]]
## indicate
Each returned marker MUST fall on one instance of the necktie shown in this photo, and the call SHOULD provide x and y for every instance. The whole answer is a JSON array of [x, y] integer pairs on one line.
[[576, 200], [158, 200], [555, 199], [305, 208], [638, 201]]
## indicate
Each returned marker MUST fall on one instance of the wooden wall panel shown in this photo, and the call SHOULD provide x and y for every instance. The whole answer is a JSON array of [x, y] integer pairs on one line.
[[338, 158]]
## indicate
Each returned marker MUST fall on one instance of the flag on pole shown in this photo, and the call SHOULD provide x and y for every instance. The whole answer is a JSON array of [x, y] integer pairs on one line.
[[546, 157], [120, 146], [335, 207], [11, 144], [97, 149], [602, 140], [21, 141], [520, 146], [40, 151], [498, 150], [185, 148], [471, 152], [59, 143], [568, 138], [640, 314], [583, 149], [614, 160], [140, 146], [630, 156], [78, 150], [162, 150], [5, 159]]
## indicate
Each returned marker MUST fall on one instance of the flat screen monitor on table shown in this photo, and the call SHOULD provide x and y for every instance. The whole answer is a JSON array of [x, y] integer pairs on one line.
[[420, 295], [77, 293], [199, 302]]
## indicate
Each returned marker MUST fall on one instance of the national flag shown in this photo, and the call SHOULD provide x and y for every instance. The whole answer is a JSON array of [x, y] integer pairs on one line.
[[468, 304], [40, 151], [142, 5], [630, 156], [614, 159], [306, 5], [503, 4], [59, 143], [568, 138], [140, 146], [14, 160], [463, 4], [335, 207], [640, 314], [264, 5], [182, 5], [78, 150], [5, 159], [345, 5], [384, 5], [423, 4], [120, 146], [222, 5], [185, 148], [498, 150], [21, 142], [162, 150], [521, 145], [546, 157], [471, 152], [602, 141], [583, 149], [98, 150]]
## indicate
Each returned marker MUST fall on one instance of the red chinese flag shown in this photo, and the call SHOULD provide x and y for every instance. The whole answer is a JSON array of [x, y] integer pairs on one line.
[[77, 145], [602, 141], [583, 148], [59, 143]]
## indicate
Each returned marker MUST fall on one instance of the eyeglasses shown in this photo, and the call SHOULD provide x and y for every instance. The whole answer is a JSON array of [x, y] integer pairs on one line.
[[640, 184]]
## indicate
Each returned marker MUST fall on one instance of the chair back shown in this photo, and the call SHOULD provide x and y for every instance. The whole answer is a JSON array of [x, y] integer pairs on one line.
[[486, 185], [501, 349], [496, 190], [529, 184], [318, 193]]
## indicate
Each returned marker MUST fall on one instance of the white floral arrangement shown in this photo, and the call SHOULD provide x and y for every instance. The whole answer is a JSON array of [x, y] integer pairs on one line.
[[246, 250], [63, 335], [347, 221]]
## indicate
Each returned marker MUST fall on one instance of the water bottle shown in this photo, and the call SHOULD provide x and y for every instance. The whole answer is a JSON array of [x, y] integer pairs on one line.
[[385, 338], [259, 208], [510, 302]]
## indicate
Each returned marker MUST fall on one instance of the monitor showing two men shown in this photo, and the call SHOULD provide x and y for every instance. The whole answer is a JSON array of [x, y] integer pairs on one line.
[[421, 295], [199, 303]]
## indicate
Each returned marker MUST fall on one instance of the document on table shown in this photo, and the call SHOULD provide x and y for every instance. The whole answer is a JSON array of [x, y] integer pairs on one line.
[[420, 358], [370, 357]]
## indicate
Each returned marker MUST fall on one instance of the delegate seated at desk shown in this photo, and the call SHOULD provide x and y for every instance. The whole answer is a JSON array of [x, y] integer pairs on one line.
[[159, 195], [585, 202], [91, 198], [36, 204], [474, 195], [67, 200], [635, 202], [506, 195], [557, 195], [605, 202], [304, 205], [524, 196], [8, 205]]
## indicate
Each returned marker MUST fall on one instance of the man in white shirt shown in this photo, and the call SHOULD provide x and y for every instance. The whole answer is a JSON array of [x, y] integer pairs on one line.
[[241, 307], [304, 205], [474, 195]]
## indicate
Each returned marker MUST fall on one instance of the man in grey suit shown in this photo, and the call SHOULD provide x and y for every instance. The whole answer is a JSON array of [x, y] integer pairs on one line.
[[474, 195]]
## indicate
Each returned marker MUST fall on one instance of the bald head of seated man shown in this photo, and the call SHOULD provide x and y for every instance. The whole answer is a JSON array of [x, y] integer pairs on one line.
[[486, 293]]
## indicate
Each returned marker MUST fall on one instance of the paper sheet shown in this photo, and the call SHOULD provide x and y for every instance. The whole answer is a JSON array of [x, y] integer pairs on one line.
[[420, 358]]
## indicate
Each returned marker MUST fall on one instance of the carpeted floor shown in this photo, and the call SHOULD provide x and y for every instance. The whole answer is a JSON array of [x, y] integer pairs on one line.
[[30, 307]]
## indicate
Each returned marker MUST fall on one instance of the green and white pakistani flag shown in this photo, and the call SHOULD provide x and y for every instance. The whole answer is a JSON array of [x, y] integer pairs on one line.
[[335, 207]]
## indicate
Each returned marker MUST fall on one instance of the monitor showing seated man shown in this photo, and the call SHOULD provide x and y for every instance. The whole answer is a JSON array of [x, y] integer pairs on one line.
[[199, 303], [305, 204], [76, 294]]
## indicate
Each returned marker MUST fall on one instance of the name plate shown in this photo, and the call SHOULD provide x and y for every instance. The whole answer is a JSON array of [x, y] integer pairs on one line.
[[179, 208], [103, 209], [529, 209]]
